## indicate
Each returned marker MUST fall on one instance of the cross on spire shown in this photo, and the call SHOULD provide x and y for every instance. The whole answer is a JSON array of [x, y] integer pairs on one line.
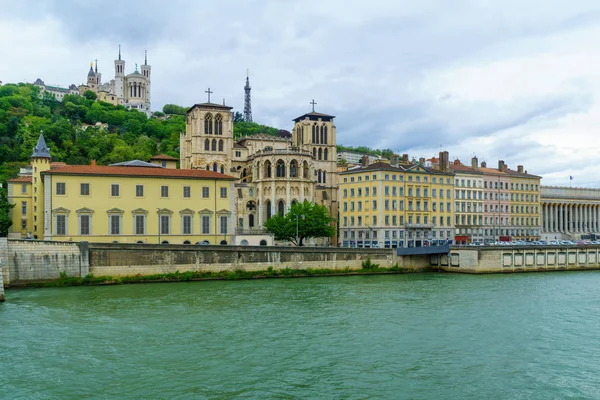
[[313, 105], [209, 92]]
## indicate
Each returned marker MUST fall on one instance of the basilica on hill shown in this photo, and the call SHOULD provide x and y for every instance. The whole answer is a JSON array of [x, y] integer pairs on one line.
[[272, 172]]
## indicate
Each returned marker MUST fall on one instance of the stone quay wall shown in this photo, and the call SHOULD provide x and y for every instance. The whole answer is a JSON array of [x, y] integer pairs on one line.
[[34, 260], [147, 259], [494, 259]]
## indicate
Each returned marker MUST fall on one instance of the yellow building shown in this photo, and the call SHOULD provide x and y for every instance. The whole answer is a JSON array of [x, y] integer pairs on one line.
[[19, 194], [525, 210], [395, 206], [134, 202]]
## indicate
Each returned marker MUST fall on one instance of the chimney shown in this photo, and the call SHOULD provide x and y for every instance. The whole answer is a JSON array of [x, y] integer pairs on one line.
[[405, 157], [395, 159], [93, 163], [364, 160], [474, 162], [505, 168], [422, 160], [501, 165], [520, 169], [483, 164]]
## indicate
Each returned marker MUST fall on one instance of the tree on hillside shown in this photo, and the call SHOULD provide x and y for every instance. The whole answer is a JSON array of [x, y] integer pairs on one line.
[[5, 207], [88, 94], [238, 117], [312, 220], [241, 129], [170, 109]]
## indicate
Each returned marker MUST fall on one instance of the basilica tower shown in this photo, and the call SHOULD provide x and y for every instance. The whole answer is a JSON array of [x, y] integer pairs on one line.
[[119, 75]]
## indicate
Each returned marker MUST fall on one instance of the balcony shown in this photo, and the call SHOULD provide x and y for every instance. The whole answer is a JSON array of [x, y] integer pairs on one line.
[[418, 226], [250, 231]]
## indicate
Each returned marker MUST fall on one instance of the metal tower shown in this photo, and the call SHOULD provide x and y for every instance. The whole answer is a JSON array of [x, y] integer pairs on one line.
[[247, 101]]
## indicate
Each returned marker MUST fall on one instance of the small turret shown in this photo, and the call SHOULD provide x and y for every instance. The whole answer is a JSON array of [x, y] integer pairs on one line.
[[41, 149]]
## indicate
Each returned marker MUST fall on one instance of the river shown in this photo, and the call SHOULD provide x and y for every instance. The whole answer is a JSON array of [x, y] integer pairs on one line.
[[417, 336]]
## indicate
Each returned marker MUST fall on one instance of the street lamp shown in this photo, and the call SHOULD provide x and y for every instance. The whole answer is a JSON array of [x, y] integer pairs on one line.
[[297, 244]]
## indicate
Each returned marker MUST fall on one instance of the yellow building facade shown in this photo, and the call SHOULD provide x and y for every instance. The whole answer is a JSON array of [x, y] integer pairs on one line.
[[525, 210], [130, 203], [395, 206]]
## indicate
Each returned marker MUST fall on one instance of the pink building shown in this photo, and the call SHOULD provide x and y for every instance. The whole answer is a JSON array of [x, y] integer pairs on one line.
[[496, 203]]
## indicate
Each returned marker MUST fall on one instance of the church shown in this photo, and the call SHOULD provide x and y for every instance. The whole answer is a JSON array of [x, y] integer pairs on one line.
[[272, 172], [131, 91]]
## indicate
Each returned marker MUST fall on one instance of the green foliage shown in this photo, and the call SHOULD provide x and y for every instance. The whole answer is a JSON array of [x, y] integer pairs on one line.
[[368, 265], [238, 117], [5, 207], [313, 221], [385, 153], [241, 129], [121, 134], [88, 94], [172, 109]]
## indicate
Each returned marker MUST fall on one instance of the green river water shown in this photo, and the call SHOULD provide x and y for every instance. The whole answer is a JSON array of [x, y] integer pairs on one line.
[[421, 336]]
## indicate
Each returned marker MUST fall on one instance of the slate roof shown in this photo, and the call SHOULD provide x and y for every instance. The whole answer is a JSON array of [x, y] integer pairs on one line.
[[313, 116], [135, 163]]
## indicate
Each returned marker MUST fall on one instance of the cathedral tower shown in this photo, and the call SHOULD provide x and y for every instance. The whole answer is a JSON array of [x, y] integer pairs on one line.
[[119, 75], [146, 70], [208, 139]]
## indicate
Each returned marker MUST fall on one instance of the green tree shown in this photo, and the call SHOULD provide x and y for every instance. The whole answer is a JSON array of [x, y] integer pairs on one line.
[[174, 109], [312, 220], [88, 94], [238, 117], [5, 207]]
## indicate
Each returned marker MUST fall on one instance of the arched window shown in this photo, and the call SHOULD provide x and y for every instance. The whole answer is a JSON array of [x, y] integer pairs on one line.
[[251, 220], [221, 145], [208, 126], [314, 136], [218, 125], [325, 154], [280, 169], [306, 170], [208, 167], [294, 169], [215, 166], [214, 145], [268, 169], [268, 208], [319, 176], [294, 202], [280, 208], [222, 169], [322, 135], [324, 176], [314, 152], [320, 154], [207, 144], [325, 130]]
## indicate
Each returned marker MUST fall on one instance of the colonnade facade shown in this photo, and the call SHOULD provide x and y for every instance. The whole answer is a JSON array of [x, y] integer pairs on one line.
[[570, 218], [569, 213]]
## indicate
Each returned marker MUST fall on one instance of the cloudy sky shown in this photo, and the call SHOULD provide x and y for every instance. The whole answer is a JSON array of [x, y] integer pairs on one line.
[[511, 80]]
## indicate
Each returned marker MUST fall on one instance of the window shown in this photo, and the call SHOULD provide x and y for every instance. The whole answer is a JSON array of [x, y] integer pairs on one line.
[[23, 208], [24, 188], [114, 190], [187, 192], [206, 224], [84, 189], [140, 224], [205, 192], [223, 225], [187, 224], [84, 224], [60, 188], [164, 191], [61, 225], [139, 190], [115, 224], [223, 192], [165, 222]]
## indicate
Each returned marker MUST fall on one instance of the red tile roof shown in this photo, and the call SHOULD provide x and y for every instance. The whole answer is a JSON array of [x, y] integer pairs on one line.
[[21, 179], [137, 171], [163, 157]]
